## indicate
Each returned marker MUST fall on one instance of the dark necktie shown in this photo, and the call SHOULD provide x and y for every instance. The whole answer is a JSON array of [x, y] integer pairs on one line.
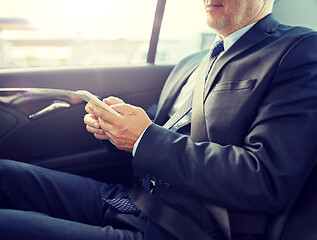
[[214, 53]]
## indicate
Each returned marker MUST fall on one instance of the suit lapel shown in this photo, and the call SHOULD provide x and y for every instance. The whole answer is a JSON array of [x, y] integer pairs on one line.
[[255, 35], [172, 90]]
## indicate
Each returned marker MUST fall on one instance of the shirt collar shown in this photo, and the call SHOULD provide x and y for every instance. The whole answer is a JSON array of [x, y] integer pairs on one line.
[[233, 37]]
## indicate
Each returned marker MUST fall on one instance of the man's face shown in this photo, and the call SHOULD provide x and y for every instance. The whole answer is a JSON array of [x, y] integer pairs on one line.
[[227, 16]]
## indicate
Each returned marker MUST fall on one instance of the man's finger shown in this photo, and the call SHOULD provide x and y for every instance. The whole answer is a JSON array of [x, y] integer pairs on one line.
[[91, 120], [112, 100], [88, 110], [106, 126], [102, 113], [94, 130], [101, 136], [125, 109]]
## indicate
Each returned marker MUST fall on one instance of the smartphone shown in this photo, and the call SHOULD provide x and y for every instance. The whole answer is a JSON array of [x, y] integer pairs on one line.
[[87, 96]]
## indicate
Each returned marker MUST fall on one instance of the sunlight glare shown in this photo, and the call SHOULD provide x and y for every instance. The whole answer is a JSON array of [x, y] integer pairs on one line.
[[85, 16]]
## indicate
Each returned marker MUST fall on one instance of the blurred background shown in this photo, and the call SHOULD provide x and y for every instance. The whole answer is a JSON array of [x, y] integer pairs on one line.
[[38, 33]]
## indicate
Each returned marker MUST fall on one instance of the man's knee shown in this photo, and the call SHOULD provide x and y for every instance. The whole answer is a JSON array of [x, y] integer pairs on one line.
[[15, 224], [13, 176], [11, 169], [5, 221]]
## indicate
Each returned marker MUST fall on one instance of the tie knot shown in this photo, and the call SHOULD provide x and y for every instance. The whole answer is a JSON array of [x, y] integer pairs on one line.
[[217, 49]]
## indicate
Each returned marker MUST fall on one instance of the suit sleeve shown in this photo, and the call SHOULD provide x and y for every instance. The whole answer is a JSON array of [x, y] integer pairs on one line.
[[279, 150]]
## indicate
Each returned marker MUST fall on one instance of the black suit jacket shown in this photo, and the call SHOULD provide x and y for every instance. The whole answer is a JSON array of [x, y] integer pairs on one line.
[[260, 109]]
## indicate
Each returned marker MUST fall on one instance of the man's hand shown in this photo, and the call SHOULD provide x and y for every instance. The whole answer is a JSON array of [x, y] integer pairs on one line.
[[92, 122], [123, 130]]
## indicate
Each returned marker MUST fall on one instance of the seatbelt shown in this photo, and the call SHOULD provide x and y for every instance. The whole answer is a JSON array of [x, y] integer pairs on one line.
[[199, 134], [177, 224]]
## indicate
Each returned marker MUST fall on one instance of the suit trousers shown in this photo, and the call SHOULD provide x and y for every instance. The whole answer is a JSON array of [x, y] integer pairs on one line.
[[38, 203]]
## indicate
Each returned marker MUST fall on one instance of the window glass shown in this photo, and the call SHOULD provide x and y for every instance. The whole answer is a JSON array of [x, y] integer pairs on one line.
[[297, 13], [184, 31], [73, 32]]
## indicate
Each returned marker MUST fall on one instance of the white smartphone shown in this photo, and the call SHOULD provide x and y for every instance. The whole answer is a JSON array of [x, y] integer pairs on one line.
[[87, 96]]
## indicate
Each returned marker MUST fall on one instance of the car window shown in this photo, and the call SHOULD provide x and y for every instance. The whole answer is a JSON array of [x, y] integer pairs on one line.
[[184, 31], [297, 13], [73, 32]]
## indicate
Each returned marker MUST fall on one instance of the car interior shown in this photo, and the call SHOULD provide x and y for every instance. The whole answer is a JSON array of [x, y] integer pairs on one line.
[[41, 119]]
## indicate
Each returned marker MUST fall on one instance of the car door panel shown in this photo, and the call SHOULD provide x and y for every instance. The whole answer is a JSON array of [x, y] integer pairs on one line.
[[58, 139]]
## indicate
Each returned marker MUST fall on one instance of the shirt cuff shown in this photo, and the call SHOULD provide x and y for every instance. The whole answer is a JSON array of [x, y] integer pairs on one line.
[[136, 144], [111, 141]]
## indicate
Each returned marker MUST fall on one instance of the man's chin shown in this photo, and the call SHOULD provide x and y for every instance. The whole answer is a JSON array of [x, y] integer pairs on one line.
[[215, 24]]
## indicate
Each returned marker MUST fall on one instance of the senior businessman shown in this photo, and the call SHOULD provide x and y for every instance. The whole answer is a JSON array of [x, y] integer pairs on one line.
[[231, 149]]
